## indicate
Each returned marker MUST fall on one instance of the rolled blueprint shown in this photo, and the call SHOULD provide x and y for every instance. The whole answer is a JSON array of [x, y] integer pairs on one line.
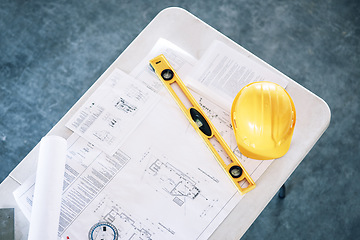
[[45, 211]]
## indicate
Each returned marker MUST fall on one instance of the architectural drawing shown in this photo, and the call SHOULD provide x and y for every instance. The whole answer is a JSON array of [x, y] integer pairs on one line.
[[173, 181], [104, 136], [111, 120], [127, 227], [125, 106]]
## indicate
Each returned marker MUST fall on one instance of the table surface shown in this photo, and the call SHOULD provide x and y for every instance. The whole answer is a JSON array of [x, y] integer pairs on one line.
[[194, 36]]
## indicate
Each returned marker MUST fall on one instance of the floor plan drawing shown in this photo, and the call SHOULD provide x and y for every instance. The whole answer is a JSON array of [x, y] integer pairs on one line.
[[173, 181], [125, 106], [182, 188], [104, 136], [127, 227]]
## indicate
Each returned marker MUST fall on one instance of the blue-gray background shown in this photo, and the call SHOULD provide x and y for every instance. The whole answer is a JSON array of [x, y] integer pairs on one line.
[[59, 48]]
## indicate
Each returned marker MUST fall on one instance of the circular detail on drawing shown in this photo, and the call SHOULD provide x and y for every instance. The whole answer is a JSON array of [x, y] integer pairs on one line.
[[103, 231]]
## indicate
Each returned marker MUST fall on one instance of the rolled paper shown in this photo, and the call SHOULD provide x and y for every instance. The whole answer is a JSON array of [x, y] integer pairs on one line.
[[46, 205]]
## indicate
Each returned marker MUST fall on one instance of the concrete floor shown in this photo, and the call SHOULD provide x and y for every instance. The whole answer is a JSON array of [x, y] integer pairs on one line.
[[63, 46]]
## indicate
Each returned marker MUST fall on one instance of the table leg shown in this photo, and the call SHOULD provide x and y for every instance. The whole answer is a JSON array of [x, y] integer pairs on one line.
[[282, 192]]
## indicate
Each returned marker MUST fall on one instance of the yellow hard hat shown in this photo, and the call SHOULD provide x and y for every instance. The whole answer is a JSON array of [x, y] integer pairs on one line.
[[263, 117]]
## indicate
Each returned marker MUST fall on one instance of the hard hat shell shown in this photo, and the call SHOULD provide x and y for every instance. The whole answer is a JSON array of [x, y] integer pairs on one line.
[[263, 117]]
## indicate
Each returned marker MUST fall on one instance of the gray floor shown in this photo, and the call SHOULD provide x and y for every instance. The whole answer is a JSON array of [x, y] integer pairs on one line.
[[63, 46]]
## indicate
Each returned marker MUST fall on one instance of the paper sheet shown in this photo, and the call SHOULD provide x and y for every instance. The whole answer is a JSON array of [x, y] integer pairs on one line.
[[181, 61], [113, 111], [48, 189], [222, 72], [162, 182]]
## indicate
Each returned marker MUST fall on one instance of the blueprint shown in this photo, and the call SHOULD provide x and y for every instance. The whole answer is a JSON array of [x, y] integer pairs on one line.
[[113, 111], [151, 178]]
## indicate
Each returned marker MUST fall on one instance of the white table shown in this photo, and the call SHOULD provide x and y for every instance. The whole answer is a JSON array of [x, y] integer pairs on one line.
[[195, 36]]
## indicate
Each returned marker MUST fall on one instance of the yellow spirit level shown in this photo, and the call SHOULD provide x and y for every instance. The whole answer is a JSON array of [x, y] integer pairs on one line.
[[202, 124]]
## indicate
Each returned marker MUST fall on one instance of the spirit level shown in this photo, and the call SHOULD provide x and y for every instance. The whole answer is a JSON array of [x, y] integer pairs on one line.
[[202, 124]]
